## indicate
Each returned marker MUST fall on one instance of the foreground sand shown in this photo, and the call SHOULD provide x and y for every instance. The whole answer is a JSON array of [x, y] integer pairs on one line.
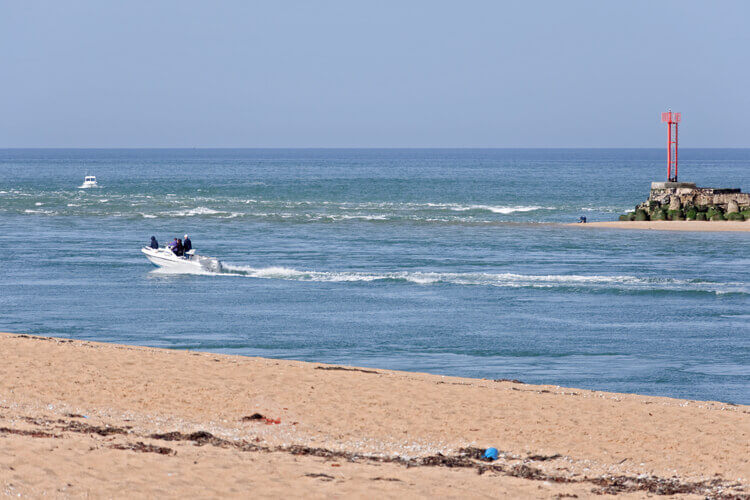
[[88, 419], [672, 225]]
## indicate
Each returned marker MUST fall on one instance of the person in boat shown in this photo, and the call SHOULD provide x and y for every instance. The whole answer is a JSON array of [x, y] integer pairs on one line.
[[176, 247], [154, 243], [187, 245]]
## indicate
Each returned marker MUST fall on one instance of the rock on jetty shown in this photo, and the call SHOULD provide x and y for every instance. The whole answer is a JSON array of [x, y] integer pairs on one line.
[[686, 201]]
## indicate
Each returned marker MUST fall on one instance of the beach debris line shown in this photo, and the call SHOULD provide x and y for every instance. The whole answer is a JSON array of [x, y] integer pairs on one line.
[[544, 458], [254, 416], [199, 437], [22, 432], [345, 369], [511, 380], [465, 458], [142, 447], [324, 477], [84, 428]]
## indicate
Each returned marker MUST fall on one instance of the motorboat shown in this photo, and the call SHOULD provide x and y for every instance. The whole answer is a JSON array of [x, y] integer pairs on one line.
[[89, 181], [165, 258]]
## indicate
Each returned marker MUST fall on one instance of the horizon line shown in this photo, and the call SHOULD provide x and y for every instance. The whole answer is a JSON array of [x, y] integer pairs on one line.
[[5, 148]]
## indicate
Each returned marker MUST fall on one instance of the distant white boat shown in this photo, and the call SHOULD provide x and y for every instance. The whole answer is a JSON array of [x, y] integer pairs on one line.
[[89, 182]]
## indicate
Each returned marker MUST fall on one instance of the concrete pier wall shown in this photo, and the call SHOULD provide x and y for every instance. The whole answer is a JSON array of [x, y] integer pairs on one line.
[[689, 194], [686, 201]]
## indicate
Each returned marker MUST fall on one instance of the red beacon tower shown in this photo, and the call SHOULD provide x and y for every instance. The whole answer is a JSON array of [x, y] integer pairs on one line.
[[671, 119]]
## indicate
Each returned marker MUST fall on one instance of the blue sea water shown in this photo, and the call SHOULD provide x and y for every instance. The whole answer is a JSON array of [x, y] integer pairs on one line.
[[445, 261]]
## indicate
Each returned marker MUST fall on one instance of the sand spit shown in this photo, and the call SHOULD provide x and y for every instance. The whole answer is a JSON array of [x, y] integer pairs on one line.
[[671, 225], [89, 419]]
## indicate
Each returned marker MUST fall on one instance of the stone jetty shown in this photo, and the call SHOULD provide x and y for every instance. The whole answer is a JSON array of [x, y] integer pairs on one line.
[[686, 201]]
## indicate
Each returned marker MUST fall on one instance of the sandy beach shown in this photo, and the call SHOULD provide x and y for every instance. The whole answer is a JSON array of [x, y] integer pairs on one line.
[[671, 225], [83, 419]]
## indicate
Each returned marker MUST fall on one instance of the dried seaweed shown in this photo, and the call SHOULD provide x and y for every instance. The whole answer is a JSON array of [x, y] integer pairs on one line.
[[543, 458], [254, 416], [324, 477], [467, 458], [145, 448], [84, 428], [344, 369], [612, 485], [257, 417], [199, 437], [22, 432]]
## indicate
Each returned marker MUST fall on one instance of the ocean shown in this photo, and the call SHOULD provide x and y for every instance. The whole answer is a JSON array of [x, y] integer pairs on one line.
[[452, 262]]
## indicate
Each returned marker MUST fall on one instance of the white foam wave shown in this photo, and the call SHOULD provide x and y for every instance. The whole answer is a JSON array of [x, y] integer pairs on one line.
[[354, 217], [400, 207], [42, 212], [195, 211], [455, 207], [506, 210]]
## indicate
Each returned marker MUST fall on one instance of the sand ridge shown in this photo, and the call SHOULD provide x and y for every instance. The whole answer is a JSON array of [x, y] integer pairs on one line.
[[671, 225], [349, 424]]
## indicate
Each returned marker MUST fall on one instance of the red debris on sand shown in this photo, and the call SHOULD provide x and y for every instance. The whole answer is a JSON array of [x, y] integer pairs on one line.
[[261, 418]]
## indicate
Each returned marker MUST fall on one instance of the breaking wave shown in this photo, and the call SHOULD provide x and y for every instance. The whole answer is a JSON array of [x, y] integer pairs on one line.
[[142, 205], [496, 209], [194, 211]]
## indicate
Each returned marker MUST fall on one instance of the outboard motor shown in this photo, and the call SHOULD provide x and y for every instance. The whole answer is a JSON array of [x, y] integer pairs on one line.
[[212, 265]]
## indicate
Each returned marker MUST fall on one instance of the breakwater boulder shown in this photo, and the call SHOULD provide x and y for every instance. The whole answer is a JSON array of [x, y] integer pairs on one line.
[[686, 201]]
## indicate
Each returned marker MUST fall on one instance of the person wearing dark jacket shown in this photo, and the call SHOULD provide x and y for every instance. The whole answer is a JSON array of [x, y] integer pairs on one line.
[[177, 247], [187, 245], [154, 243]]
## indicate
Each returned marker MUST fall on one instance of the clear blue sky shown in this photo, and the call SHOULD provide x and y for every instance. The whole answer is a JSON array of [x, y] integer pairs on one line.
[[372, 74]]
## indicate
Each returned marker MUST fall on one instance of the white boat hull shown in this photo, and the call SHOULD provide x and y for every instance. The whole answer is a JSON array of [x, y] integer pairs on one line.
[[89, 181], [165, 259]]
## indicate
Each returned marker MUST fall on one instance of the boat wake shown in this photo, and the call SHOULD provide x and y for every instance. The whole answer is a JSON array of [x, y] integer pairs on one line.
[[581, 283]]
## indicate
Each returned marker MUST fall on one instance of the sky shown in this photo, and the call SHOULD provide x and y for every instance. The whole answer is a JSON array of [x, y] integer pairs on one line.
[[184, 73]]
